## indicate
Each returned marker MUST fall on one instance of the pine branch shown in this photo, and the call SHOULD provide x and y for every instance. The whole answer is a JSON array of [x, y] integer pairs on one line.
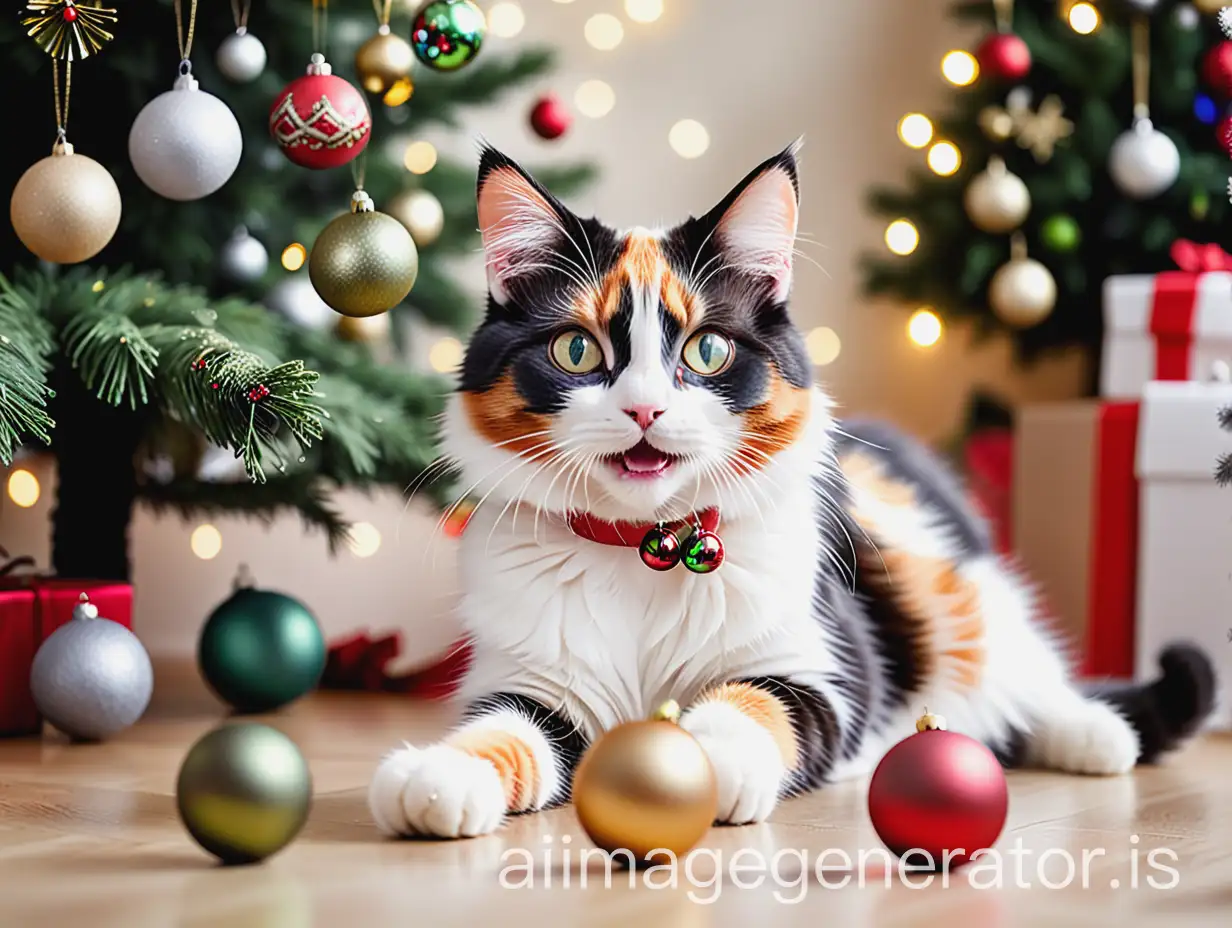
[[26, 345], [438, 97], [304, 493]]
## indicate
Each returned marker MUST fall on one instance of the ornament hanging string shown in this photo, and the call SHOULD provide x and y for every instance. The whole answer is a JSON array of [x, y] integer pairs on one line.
[[239, 11], [1142, 68], [61, 103], [383, 8], [1003, 10], [1018, 252], [320, 26], [359, 169], [185, 43]]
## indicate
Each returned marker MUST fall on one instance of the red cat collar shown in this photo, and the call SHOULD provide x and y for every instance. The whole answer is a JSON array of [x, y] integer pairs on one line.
[[662, 545]]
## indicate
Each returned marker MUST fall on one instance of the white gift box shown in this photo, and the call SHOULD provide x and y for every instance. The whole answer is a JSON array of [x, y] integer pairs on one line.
[[1185, 528], [1168, 326]]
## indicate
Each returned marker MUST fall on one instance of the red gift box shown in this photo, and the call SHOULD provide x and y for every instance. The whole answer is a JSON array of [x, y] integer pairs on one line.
[[1076, 523], [31, 608]]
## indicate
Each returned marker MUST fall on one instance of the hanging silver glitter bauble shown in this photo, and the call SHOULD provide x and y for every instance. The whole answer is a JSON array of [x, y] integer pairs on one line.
[[91, 678], [240, 57], [242, 258], [1144, 162], [185, 143]]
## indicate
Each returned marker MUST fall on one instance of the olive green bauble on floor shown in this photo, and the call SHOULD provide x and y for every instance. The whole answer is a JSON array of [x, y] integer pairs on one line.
[[244, 792], [260, 650]]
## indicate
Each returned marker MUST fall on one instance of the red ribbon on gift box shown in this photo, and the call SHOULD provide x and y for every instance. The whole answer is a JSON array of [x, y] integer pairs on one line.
[[1174, 303], [1112, 586], [362, 663]]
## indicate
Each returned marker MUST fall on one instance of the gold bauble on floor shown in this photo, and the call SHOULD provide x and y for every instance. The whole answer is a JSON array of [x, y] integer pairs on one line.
[[66, 207], [364, 262], [383, 60], [645, 786]]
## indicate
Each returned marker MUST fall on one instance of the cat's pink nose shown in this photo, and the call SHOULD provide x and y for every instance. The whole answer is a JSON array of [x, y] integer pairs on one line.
[[644, 416]]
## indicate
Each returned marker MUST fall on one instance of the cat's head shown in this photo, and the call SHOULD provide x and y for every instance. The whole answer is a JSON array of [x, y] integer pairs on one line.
[[633, 374]]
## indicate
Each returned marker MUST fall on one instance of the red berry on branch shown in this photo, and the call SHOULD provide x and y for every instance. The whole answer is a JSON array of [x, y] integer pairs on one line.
[[199, 364], [70, 14]]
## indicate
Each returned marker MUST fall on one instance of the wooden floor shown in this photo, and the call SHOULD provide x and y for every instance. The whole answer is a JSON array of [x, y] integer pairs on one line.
[[89, 836]]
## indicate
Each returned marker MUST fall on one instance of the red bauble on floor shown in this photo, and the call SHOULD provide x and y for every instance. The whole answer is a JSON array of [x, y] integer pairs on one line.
[[550, 118], [1217, 68], [938, 792], [1004, 56], [319, 120]]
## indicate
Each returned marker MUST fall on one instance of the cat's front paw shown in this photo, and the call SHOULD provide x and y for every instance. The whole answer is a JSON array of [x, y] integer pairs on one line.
[[438, 792], [748, 765]]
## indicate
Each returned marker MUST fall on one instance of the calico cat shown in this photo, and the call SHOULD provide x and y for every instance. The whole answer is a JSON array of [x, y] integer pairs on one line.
[[624, 379]]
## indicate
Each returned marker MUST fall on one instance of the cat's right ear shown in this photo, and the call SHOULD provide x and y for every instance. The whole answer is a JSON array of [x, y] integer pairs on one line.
[[521, 223]]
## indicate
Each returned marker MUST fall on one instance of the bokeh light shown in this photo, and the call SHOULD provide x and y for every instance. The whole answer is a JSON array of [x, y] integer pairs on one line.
[[924, 328]]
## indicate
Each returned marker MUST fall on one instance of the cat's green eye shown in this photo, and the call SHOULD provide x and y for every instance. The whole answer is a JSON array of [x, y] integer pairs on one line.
[[708, 353], [575, 352]]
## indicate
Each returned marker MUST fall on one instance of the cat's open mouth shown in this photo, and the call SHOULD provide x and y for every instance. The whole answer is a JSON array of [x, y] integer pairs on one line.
[[642, 461]]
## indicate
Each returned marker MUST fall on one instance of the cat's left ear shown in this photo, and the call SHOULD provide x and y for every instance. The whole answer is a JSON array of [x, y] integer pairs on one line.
[[755, 224], [521, 223]]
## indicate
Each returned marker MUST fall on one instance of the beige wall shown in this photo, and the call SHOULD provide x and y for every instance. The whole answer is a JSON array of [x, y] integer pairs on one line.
[[840, 72]]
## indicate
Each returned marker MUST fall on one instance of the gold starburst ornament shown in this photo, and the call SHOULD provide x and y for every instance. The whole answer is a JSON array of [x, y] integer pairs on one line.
[[68, 30]]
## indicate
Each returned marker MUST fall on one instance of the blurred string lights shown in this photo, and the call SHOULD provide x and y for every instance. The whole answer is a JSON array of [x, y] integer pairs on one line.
[[924, 327], [206, 542], [505, 20], [1083, 18], [23, 488]]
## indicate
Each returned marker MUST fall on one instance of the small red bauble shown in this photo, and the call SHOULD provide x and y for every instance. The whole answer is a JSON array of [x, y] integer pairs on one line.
[[550, 118], [938, 792], [1004, 56], [319, 120], [1223, 133], [1217, 68], [660, 549], [70, 14]]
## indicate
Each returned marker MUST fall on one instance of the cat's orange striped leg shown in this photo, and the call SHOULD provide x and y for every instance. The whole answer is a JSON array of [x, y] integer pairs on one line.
[[763, 735], [511, 755]]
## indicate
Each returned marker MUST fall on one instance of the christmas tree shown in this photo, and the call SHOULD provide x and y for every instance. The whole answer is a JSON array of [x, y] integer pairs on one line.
[[156, 353], [1083, 140]]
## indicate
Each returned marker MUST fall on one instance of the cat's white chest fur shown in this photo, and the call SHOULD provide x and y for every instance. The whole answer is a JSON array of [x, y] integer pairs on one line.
[[552, 612]]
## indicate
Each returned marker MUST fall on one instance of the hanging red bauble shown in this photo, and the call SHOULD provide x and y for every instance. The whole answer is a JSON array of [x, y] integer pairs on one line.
[[938, 792], [319, 120], [1217, 68], [1004, 56], [550, 118], [1223, 133]]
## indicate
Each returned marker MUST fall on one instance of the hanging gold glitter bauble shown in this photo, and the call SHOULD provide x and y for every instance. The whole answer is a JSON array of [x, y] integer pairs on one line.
[[383, 60], [645, 786], [996, 200], [1022, 293], [421, 213], [364, 262], [66, 207]]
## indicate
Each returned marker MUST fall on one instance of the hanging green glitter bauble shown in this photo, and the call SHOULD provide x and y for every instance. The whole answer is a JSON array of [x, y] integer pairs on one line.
[[447, 34], [1061, 233], [260, 650]]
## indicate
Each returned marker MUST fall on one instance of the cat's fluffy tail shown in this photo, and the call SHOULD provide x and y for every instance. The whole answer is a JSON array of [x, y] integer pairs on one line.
[[1171, 708]]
